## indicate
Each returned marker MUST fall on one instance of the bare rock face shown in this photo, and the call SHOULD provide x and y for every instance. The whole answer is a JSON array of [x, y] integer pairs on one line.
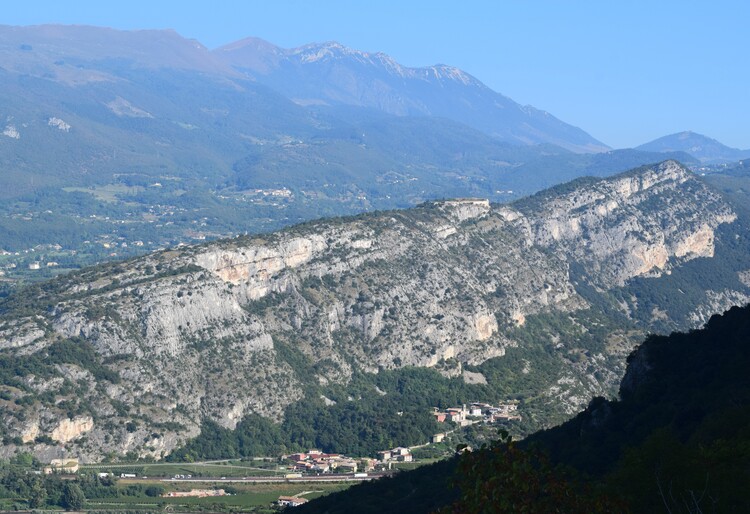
[[30, 432], [70, 429], [613, 228], [485, 325], [200, 333], [465, 209], [257, 264]]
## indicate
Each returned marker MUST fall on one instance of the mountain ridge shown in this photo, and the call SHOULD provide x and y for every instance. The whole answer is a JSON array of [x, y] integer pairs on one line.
[[64, 53], [53, 44], [457, 285], [322, 73], [111, 146]]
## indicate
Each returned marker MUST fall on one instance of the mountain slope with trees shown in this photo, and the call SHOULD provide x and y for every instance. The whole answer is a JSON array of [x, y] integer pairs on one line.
[[676, 440], [541, 299]]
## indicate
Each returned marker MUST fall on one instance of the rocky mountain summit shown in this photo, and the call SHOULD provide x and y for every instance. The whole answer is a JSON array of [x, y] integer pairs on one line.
[[331, 74], [219, 331]]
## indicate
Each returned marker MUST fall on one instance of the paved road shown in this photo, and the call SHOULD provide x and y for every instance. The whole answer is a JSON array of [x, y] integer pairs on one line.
[[156, 464], [213, 465], [328, 477]]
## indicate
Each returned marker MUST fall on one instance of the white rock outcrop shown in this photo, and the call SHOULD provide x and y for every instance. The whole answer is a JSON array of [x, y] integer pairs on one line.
[[71, 429]]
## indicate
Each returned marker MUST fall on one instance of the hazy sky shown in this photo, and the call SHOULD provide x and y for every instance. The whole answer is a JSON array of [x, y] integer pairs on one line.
[[625, 71]]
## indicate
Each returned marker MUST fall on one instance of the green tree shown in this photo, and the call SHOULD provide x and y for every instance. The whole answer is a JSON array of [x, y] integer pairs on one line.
[[504, 478], [73, 497], [25, 460], [154, 490], [37, 494]]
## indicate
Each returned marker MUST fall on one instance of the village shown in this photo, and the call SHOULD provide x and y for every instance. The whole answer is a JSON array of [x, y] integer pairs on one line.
[[312, 466], [316, 462], [485, 412]]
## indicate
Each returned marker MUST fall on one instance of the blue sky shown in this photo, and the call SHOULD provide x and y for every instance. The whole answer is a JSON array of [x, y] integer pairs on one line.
[[626, 72]]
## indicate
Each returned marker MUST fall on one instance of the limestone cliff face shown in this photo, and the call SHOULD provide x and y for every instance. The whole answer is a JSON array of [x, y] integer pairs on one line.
[[616, 230], [70, 429], [199, 332]]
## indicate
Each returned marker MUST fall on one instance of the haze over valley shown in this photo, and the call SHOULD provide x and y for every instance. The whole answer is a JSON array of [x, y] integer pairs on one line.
[[118, 143]]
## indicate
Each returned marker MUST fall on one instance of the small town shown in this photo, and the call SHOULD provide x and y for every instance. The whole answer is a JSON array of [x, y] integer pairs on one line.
[[315, 461], [478, 412], [311, 466]]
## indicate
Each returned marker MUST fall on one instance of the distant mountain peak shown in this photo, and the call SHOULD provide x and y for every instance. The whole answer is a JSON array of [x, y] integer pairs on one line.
[[324, 48], [331, 50], [695, 136], [330, 73], [445, 72], [705, 149], [251, 42]]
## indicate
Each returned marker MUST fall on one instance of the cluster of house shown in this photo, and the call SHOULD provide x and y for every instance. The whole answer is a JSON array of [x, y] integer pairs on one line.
[[488, 413], [503, 412], [397, 454], [283, 192], [38, 265], [315, 461]]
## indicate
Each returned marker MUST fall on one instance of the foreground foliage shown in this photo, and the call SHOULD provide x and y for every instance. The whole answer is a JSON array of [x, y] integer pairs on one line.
[[505, 478]]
